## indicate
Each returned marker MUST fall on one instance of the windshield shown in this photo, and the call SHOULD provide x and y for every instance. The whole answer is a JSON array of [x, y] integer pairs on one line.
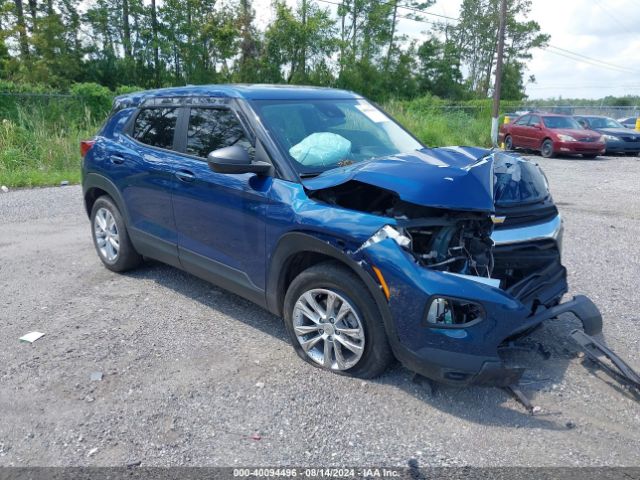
[[600, 122], [322, 134], [561, 122]]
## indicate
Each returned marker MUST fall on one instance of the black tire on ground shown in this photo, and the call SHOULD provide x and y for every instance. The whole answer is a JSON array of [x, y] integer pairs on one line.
[[127, 258], [546, 150], [508, 143], [377, 355]]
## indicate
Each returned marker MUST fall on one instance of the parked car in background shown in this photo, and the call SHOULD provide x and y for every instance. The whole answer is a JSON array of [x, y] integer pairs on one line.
[[618, 138], [629, 122], [551, 134], [319, 207]]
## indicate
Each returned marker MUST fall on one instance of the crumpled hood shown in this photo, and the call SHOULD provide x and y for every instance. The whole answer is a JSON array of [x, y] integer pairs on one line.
[[457, 178]]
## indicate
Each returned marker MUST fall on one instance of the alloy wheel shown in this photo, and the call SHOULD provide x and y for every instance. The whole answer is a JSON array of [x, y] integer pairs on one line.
[[106, 234], [328, 328]]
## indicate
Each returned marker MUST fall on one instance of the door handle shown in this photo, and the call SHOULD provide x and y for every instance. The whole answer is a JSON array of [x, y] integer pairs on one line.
[[116, 159], [185, 176]]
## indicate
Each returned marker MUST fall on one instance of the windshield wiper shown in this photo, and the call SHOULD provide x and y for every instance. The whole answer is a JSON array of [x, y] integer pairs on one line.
[[309, 175]]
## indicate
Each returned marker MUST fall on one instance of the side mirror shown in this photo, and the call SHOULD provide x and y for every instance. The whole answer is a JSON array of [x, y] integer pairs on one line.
[[235, 159]]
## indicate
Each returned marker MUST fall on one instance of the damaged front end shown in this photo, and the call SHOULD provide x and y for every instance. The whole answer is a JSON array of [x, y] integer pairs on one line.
[[453, 296]]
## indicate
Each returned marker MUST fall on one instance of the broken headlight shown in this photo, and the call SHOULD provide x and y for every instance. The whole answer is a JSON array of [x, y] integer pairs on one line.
[[453, 312]]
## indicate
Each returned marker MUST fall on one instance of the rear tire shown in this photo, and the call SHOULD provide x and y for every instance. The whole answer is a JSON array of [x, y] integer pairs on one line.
[[508, 143], [110, 237], [547, 149], [358, 344]]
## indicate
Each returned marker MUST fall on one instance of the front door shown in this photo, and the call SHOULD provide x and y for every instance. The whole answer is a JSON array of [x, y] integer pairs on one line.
[[220, 218]]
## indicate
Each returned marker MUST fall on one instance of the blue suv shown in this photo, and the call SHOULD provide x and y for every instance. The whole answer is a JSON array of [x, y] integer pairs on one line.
[[316, 205]]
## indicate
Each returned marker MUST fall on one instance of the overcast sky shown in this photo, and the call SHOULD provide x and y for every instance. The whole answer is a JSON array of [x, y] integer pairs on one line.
[[606, 31]]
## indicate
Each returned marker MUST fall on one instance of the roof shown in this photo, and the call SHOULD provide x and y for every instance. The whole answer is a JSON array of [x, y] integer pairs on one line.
[[544, 114], [245, 91]]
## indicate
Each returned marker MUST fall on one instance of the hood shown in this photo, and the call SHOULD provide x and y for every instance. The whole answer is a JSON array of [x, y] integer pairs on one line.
[[452, 178], [576, 133], [618, 132], [455, 180]]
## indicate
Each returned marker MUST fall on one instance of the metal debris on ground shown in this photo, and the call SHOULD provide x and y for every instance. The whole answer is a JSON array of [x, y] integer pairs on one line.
[[92, 452], [515, 391], [64, 183], [611, 363], [31, 337], [4, 189], [256, 436], [96, 376]]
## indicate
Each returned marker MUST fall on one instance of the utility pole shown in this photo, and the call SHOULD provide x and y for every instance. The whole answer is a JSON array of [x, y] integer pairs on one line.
[[498, 85]]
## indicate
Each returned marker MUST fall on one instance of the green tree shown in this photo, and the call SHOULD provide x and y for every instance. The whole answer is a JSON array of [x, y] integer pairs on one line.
[[439, 70], [300, 41]]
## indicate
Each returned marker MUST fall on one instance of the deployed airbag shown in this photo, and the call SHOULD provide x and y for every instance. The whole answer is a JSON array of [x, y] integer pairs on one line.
[[321, 149]]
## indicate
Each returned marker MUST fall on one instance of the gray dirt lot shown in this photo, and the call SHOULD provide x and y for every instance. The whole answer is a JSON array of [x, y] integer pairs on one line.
[[191, 373]]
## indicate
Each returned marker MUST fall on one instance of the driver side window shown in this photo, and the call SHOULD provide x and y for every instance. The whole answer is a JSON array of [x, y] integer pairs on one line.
[[214, 128], [524, 121]]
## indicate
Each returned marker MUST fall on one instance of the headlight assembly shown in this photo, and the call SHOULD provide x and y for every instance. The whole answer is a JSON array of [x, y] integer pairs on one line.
[[611, 138], [566, 138]]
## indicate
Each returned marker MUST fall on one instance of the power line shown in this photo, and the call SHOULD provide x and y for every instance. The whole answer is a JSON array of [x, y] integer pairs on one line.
[[418, 20], [585, 87], [592, 59], [614, 18], [405, 7], [576, 57], [563, 52]]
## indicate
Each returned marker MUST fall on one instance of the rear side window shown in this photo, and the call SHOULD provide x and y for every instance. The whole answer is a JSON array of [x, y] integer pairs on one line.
[[156, 127], [214, 128]]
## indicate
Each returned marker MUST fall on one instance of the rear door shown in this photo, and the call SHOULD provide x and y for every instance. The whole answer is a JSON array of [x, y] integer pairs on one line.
[[146, 162], [220, 218], [519, 130]]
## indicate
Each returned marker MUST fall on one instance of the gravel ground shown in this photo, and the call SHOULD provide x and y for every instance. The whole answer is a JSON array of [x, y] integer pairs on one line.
[[196, 376]]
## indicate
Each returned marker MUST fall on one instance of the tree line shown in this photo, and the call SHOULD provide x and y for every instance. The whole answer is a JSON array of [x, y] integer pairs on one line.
[[352, 44]]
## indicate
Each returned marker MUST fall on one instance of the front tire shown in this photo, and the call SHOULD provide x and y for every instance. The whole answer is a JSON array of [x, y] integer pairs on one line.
[[110, 237], [547, 149], [334, 322]]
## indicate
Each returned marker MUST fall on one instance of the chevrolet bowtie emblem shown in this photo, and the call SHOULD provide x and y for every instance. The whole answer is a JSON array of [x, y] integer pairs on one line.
[[496, 219]]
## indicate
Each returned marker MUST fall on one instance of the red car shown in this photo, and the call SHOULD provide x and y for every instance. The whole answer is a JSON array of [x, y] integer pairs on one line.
[[551, 134]]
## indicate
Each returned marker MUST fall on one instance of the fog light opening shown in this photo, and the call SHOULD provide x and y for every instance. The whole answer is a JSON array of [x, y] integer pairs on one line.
[[452, 312]]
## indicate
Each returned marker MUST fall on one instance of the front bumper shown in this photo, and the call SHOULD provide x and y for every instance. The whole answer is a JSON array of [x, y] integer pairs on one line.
[[465, 355], [588, 148], [623, 146]]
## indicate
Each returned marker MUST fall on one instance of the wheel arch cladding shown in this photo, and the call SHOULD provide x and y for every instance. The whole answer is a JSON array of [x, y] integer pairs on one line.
[[297, 251], [91, 196], [94, 186]]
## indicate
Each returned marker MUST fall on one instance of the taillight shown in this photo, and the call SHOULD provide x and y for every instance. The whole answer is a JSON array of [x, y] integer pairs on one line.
[[85, 146]]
